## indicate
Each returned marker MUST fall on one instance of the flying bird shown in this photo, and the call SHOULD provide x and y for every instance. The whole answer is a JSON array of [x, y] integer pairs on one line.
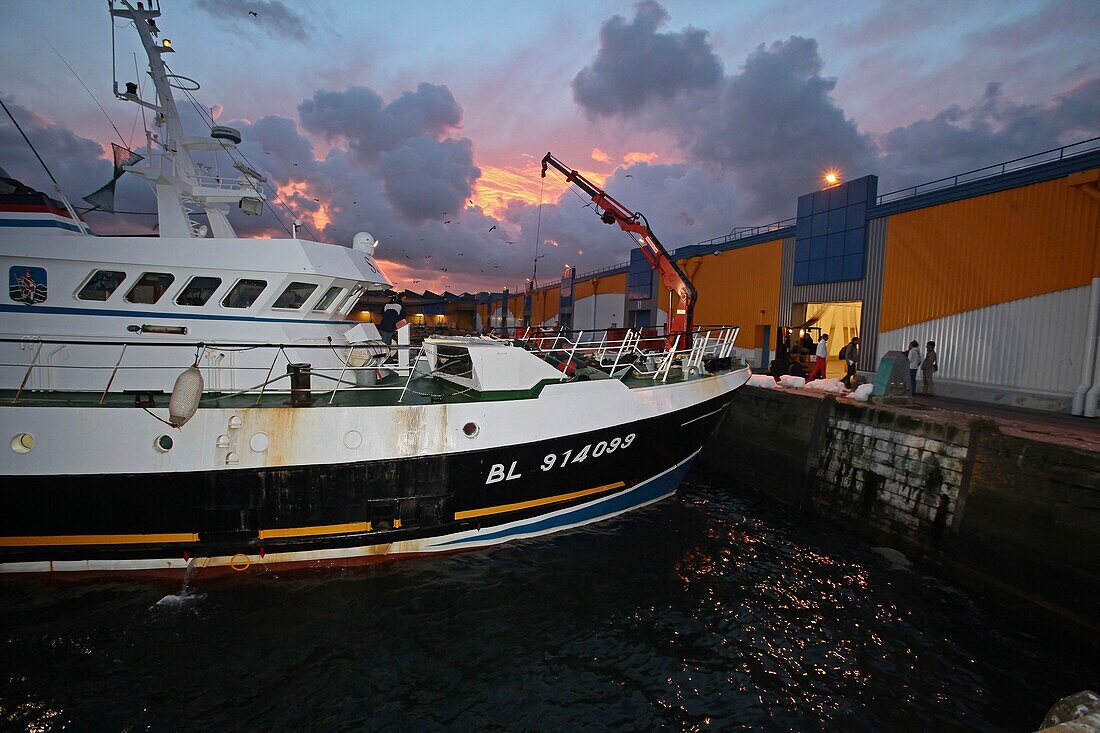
[[628, 175], [447, 222], [316, 199], [509, 242], [253, 13], [494, 226]]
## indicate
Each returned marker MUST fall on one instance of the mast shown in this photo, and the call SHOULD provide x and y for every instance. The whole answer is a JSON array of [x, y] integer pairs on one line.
[[172, 168]]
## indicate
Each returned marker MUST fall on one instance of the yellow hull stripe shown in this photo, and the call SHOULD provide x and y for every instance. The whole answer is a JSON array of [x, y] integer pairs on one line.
[[97, 539], [319, 530], [535, 502]]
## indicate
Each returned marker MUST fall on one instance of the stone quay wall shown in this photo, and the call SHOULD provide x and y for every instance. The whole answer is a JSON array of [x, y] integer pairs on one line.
[[1015, 518]]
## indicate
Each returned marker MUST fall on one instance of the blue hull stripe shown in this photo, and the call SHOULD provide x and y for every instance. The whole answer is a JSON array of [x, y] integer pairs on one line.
[[57, 310], [651, 490], [40, 223]]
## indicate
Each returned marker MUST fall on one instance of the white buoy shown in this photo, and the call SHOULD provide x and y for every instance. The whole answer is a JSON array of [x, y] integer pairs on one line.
[[185, 396]]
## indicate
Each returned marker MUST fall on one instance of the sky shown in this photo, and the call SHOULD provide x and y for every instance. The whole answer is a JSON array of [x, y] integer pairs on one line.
[[423, 121]]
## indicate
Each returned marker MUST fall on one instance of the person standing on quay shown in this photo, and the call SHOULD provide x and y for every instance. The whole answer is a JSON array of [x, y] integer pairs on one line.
[[822, 355], [913, 354], [928, 367], [851, 358]]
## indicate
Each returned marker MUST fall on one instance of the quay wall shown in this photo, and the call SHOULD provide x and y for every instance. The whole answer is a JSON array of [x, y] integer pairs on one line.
[[1016, 518]]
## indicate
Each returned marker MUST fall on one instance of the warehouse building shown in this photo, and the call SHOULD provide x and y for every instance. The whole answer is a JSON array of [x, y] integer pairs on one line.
[[999, 266]]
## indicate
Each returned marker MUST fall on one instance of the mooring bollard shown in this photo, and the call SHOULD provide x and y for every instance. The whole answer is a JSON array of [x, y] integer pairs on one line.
[[300, 378]]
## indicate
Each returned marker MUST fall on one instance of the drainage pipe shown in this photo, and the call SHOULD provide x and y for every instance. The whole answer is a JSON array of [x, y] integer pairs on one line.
[[1088, 379]]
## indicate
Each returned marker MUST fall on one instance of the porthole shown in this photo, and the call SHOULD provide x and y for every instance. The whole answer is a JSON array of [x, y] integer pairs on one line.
[[22, 443], [353, 439], [259, 443], [470, 429], [163, 443]]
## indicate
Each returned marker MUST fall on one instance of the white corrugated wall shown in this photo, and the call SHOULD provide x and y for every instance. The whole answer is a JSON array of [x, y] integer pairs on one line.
[[1032, 343]]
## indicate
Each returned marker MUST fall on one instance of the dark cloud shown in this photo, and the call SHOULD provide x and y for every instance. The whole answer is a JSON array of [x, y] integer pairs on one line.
[[636, 65], [80, 165], [775, 126], [271, 16], [994, 129], [359, 117], [425, 178]]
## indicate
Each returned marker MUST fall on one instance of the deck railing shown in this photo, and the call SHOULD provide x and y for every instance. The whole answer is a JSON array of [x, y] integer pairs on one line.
[[641, 353]]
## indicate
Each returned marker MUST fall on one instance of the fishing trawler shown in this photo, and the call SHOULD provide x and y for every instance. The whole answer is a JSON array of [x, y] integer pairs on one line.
[[202, 398]]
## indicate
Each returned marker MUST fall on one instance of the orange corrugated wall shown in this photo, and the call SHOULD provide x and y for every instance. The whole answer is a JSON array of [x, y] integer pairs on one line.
[[544, 304], [734, 286], [607, 284], [986, 250]]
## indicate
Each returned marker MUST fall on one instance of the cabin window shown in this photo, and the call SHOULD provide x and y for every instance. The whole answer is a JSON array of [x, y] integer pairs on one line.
[[244, 293], [351, 300], [27, 284], [328, 298], [295, 296], [101, 284], [198, 291], [150, 287]]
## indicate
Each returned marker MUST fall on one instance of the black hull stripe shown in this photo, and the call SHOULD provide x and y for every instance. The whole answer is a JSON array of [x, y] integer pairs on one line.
[[312, 508]]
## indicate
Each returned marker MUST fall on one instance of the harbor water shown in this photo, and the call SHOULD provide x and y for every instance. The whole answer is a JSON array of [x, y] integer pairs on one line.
[[713, 610]]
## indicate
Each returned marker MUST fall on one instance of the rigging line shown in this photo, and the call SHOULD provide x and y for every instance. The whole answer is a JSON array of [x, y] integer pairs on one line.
[[30, 144], [121, 139], [208, 120], [538, 232]]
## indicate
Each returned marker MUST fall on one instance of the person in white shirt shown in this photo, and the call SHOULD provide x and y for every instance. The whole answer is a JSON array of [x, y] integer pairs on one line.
[[822, 353], [914, 364]]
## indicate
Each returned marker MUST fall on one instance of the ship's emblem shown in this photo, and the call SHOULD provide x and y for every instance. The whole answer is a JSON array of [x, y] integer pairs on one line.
[[27, 284]]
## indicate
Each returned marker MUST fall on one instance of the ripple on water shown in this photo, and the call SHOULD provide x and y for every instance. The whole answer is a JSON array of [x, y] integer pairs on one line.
[[714, 610]]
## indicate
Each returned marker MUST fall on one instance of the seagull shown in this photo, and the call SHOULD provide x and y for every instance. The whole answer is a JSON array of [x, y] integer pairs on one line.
[[447, 222], [461, 254], [628, 175], [253, 13], [494, 226], [316, 199], [509, 242]]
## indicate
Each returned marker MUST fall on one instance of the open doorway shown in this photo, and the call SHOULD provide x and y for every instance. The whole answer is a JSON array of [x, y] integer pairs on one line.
[[839, 319]]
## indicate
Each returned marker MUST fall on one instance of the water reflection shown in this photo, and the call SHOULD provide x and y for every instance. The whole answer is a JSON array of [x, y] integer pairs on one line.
[[707, 612]]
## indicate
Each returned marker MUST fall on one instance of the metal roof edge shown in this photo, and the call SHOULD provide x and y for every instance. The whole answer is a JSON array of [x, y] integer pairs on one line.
[[993, 184]]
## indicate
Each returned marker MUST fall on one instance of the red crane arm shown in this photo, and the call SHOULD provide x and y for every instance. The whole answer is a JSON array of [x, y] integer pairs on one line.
[[635, 224]]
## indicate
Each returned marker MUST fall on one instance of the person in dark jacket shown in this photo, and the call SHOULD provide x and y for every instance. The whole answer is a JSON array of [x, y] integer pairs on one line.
[[851, 359], [929, 366], [393, 318]]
